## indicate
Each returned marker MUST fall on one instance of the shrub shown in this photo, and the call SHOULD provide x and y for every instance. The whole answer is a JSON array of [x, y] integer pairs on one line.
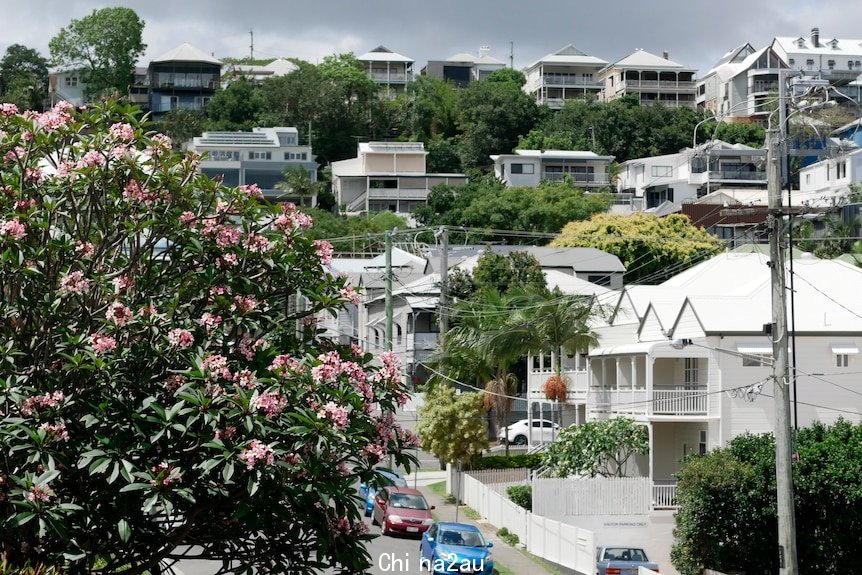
[[510, 538], [160, 384], [521, 495], [529, 460]]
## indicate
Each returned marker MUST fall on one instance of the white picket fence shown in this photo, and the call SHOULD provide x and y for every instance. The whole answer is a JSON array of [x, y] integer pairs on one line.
[[557, 497], [564, 544]]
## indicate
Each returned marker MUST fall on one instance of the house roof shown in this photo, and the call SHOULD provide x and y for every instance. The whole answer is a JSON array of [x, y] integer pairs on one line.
[[461, 57], [643, 59], [383, 54], [568, 55], [187, 53], [281, 67], [580, 260], [803, 45], [556, 155]]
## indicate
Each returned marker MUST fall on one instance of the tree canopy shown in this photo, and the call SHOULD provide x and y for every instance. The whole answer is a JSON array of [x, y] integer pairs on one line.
[[159, 385], [105, 45], [653, 249], [726, 519], [601, 447], [452, 427], [24, 78]]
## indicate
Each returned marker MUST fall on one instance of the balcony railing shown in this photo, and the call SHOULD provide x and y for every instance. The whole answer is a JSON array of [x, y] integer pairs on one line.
[[738, 175], [425, 340], [576, 386], [578, 178], [569, 80], [660, 84], [680, 401], [664, 495], [389, 77]]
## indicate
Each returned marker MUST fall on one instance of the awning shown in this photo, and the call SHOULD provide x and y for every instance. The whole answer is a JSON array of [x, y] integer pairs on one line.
[[845, 348], [754, 348]]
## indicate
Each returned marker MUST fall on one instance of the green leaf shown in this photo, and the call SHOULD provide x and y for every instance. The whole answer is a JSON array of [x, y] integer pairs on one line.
[[22, 518], [227, 472], [124, 530], [136, 487], [253, 485]]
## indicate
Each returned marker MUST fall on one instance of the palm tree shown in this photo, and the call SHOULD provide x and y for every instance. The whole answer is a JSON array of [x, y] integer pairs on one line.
[[551, 321], [297, 183]]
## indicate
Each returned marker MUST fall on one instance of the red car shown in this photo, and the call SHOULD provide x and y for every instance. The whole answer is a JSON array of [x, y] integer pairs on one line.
[[401, 510]]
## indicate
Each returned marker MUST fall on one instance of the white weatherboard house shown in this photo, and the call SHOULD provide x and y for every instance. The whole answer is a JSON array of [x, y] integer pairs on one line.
[[566, 74], [693, 398], [530, 167]]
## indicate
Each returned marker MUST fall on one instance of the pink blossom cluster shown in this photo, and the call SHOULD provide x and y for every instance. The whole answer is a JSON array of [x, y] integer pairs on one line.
[[122, 131], [188, 217], [84, 249], [225, 433], [248, 346], [252, 191], [56, 117], [74, 283], [134, 193], [291, 219], [14, 154], [256, 243], [174, 382], [38, 494], [13, 229], [181, 338], [243, 304], [92, 159], [31, 404], [324, 251], [57, 431], [119, 314], [165, 474], [216, 365], [271, 403], [227, 236], [256, 452], [245, 378], [391, 370], [24, 205], [337, 414], [210, 321], [227, 261], [350, 294], [33, 175], [102, 343], [284, 363], [8, 109], [161, 143], [123, 283]]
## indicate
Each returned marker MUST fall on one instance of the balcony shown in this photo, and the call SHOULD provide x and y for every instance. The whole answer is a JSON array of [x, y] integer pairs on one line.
[[680, 402], [389, 76], [578, 178], [738, 175], [660, 84], [665, 401], [425, 341], [570, 81]]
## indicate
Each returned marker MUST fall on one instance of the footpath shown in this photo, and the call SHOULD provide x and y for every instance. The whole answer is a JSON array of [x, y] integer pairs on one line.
[[509, 557]]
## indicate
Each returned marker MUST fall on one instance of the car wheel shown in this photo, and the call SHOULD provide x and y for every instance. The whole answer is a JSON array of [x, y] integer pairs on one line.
[[520, 440], [367, 512], [383, 528]]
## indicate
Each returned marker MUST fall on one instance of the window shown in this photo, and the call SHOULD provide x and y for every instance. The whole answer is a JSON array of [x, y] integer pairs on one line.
[[792, 62], [831, 64], [602, 280], [523, 169], [842, 359], [842, 352], [840, 170], [71, 81], [756, 360], [397, 334], [807, 178], [260, 155], [223, 155], [690, 375], [810, 64], [701, 446], [662, 171]]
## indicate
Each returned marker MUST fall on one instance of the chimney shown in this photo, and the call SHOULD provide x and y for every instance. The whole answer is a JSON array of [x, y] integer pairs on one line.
[[665, 55], [483, 50], [815, 37]]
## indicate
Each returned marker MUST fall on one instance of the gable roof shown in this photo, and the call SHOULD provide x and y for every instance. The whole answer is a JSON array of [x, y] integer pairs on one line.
[[643, 59], [568, 55], [384, 54], [187, 53]]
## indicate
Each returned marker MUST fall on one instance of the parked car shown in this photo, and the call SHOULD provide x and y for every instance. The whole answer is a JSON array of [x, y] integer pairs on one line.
[[401, 510], [622, 560], [448, 548], [383, 477], [535, 431]]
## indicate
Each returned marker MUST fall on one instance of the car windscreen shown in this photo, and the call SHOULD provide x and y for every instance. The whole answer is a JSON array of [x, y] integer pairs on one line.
[[462, 538], [625, 554], [408, 501]]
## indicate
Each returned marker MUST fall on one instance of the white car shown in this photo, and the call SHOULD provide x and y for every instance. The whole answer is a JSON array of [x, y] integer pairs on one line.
[[521, 432]]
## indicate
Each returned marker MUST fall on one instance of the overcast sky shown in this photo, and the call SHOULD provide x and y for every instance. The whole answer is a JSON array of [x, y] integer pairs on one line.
[[696, 33]]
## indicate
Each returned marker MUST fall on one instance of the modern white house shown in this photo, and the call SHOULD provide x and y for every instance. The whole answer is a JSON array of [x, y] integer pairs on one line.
[[661, 184], [389, 69], [838, 60], [691, 358], [257, 157], [563, 75], [825, 183], [386, 176], [740, 85], [530, 167], [655, 80]]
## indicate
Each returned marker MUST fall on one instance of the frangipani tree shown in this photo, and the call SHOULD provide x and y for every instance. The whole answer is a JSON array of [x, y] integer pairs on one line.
[[159, 386]]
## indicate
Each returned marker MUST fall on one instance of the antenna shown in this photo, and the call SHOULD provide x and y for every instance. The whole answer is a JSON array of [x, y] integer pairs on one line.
[[512, 55], [251, 46]]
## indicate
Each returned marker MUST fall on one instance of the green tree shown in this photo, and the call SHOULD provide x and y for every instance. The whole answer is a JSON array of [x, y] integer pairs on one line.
[[442, 157], [433, 109], [237, 108], [494, 115], [182, 125], [105, 45], [297, 183], [594, 448], [653, 249], [354, 234], [157, 389], [451, 426], [507, 75], [726, 518], [24, 78], [515, 271]]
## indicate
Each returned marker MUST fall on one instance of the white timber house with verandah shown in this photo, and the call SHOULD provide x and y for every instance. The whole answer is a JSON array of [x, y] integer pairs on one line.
[[529, 168], [691, 358], [564, 75]]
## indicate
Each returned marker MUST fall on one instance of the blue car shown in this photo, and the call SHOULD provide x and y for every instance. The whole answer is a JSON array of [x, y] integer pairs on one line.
[[450, 548], [384, 478]]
